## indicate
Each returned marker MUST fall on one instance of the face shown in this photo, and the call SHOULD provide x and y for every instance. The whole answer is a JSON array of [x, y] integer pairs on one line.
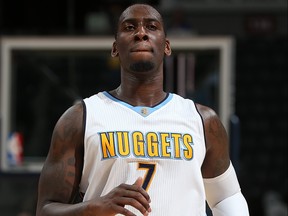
[[140, 41]]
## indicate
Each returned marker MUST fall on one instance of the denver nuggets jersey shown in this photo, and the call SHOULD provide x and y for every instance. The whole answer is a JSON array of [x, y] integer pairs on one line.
[[163, 144]]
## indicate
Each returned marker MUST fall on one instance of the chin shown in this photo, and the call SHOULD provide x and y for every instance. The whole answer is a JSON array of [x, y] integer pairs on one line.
[[142, 66]]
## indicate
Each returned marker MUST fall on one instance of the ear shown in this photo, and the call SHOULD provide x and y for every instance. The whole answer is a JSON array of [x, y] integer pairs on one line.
[[168, 50], [114, 52]]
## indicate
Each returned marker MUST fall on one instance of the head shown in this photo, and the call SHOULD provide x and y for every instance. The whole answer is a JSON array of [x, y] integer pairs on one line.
[[140, 41]]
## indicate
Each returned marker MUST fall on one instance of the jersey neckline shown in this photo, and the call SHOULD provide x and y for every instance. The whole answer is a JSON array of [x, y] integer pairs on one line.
[[142, 110]]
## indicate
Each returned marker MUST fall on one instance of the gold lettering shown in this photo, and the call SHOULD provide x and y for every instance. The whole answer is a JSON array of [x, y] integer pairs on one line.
[[176, 138], [123, 143], [165, 144], [138, 143], [107, 144], [187, 141], [152, 145]]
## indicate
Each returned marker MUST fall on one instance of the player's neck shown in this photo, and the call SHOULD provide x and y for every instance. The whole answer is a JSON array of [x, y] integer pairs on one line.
[[140, 95]]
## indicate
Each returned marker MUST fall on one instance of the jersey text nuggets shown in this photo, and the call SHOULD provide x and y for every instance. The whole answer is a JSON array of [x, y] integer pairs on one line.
[[150, 145]]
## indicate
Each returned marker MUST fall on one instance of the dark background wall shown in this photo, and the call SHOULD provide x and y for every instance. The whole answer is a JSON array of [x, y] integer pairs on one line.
[[261, 82]]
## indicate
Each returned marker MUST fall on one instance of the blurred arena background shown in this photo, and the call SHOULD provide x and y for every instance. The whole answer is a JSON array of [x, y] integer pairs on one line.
[[43, 84]]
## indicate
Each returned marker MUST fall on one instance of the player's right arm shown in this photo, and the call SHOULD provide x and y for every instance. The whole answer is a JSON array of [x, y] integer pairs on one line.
[[61, 175]]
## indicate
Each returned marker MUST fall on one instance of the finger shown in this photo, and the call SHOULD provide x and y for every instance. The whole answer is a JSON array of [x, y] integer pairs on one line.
[[120, 209], [137, 193], [139, 182], [124, 201]]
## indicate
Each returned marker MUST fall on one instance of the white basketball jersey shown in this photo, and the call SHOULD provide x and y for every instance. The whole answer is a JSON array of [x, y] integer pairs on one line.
[[163, 144]]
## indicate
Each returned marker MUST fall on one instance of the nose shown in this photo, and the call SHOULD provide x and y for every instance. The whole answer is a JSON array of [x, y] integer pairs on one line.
[[141, 34]]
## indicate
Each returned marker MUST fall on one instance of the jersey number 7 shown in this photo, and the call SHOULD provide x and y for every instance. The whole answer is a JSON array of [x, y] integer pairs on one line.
[[150, 172]]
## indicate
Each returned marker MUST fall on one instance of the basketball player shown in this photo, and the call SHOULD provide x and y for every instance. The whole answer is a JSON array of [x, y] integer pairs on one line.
[[137, 150]]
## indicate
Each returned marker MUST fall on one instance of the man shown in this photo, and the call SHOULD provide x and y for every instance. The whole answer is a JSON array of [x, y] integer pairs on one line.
[[138, 150]]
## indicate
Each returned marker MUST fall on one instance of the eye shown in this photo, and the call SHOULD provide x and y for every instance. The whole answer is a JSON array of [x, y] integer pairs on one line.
[[152, 27], [129, 27]]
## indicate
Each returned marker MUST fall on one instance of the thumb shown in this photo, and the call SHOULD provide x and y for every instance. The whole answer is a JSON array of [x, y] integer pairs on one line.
[[139, 182]]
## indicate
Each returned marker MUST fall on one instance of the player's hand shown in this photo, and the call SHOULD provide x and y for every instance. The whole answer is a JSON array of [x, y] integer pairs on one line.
[[114, 202]]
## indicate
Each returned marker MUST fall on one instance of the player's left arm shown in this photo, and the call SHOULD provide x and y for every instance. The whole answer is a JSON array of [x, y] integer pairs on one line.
[[223, 192]]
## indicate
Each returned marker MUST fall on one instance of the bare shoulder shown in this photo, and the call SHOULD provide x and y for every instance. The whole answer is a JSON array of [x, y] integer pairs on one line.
[[212, 123], [72, 115], [206, 112], [217, 154], [68, 134], [68, 131]]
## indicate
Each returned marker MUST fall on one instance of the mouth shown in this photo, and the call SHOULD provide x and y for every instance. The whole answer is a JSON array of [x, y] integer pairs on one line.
[[141, 48]]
